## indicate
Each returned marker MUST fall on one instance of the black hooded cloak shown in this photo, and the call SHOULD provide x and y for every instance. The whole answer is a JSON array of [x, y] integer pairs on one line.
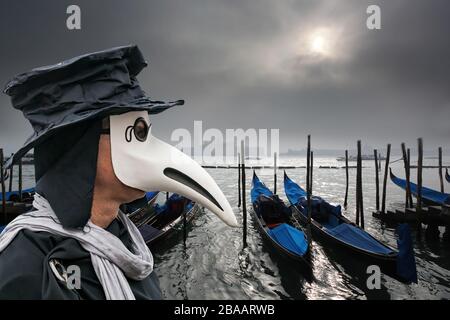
[[65, 174], [65, 103]]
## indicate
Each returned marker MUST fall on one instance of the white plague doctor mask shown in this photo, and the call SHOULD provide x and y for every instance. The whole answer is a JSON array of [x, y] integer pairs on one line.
[[146, 163]]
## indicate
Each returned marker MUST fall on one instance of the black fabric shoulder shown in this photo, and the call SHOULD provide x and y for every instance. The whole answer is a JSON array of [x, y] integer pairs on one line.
[[25, 272], [21, 265]]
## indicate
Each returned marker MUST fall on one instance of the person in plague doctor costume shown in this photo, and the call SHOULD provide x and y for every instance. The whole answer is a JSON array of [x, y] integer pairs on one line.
[[93, 151]]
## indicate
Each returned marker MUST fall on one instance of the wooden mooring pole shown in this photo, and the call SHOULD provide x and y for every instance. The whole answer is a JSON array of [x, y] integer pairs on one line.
[[308, 187], [244, 206], [275, 173], [359, 195], [408, 154], [377, 181], [408, 183], [357, 190], [419, 174], [184, 222], [11, 176], [311, 171], [386, 172], [20, 180], [2, 182], [346, 179], [379, 161], [441, 179], [419, 184], [239, 180], [361, 202]]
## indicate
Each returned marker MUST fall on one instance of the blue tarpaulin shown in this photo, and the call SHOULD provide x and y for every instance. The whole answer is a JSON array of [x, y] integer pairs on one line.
[[259, 188], [150, 195], [293, 191], [320, 208], [172, 199], [290, 238], [358, 238], [406, 263]]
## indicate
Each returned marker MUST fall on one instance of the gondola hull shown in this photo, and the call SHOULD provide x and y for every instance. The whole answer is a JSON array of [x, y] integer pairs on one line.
[[175, 226], [387, 263], [153, 235]]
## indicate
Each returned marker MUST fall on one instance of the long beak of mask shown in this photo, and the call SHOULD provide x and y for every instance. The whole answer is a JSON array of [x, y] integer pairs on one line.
[[146, 163]]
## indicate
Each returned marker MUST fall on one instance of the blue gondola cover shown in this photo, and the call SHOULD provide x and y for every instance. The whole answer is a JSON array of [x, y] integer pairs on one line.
[[150, 195], [297, 196], [358, 238], [258, 189], [293, 191], [290, 238], [406, 263]]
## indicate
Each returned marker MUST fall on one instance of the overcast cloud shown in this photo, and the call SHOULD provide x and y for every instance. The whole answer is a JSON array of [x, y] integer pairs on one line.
[[258, 64]]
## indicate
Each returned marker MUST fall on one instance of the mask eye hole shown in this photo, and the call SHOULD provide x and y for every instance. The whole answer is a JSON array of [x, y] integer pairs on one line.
[[141, 129]]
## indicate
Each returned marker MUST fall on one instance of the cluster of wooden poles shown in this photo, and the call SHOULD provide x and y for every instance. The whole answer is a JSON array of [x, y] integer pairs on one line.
[[380, 207], [420, 213]]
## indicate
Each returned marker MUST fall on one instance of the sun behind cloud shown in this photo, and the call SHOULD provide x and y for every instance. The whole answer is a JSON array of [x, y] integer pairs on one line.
[[321, 43]]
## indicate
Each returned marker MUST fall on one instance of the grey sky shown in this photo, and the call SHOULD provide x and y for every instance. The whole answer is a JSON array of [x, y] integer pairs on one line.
[[255, 64]]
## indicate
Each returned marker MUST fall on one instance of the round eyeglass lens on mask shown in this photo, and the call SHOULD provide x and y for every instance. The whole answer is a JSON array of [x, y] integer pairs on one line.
[[140, 129]]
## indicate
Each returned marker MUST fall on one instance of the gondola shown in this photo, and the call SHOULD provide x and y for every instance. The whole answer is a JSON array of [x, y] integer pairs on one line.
[[27, 195], [276, 226], [330, 227], [168, 218], [141, 211], [447, 175], [15, 206], [429, 196]]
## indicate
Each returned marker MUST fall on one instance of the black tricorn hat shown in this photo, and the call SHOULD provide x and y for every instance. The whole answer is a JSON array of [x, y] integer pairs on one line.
[[83, 88]]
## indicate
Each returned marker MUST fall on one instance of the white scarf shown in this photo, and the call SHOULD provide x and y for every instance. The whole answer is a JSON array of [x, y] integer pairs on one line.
[[111, 260]]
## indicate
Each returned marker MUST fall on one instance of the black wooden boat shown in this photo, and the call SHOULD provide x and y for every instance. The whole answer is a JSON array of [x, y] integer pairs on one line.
[[15, 205], [274, 222], [429, 196], [334, 230], [168, 218], [27, 195], [141, 211]]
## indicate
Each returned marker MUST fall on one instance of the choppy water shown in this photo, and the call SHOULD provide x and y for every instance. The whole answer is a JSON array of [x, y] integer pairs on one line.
[[213, 264]]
